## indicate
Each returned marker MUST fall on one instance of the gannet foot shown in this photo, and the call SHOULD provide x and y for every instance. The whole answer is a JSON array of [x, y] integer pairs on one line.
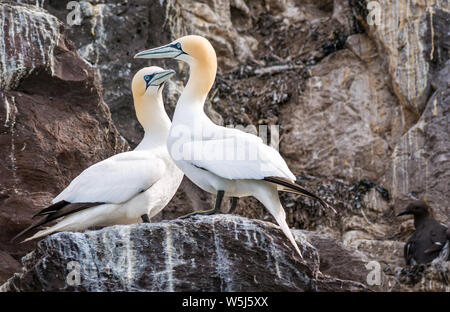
[[200, 212], [145, 218], [234, 201], [214, 210]]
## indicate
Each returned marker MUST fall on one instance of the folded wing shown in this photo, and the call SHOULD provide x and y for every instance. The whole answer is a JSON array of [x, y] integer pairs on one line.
[[238, 156], [114, 180]]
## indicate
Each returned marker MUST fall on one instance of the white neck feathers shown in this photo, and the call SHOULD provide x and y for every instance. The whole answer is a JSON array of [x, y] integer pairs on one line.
[[152, 116]]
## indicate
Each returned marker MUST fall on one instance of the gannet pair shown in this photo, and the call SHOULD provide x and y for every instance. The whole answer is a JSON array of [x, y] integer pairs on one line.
[[222, 161], [128, 186]]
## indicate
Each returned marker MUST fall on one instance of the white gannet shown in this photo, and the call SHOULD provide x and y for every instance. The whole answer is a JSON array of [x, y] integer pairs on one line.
[[223, 161], [128, 186]]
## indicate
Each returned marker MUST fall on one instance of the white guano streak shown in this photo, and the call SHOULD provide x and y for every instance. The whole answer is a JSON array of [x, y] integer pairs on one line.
[[25, 25], [169, 262], [12, 154]]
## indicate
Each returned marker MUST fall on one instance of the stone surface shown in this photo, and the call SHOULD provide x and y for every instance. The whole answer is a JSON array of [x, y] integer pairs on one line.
[[210, 253], [349, 95], [362, 109], [348, 265], [430, 277], [8, 265], [53, 121], [109, 49], [411, 35], [419, 165]]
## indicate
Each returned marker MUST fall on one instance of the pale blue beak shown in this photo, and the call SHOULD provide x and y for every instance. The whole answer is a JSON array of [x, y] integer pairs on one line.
[[167, 51]]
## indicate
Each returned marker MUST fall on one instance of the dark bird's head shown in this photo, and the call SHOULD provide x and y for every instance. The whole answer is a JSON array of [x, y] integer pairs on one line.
[[418, 209]]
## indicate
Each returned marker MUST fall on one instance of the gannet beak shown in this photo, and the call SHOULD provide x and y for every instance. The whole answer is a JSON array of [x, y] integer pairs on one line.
[[167, 51], [159, 78], [404, 212]]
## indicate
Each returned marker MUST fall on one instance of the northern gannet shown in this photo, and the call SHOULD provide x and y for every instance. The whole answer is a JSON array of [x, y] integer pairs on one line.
[[431, 238], [223, 161], [128, 186]]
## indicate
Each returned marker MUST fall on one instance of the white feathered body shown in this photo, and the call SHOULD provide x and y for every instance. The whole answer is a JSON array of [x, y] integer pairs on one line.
[[216, 159], [126, 186], [131, 184]]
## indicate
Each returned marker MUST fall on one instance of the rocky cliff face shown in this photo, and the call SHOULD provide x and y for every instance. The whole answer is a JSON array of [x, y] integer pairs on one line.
[[53, 121], [215, 253], [360, 94]]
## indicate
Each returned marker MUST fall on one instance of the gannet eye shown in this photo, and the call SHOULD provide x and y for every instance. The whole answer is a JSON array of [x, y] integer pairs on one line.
[[178, 45], [147, 78]]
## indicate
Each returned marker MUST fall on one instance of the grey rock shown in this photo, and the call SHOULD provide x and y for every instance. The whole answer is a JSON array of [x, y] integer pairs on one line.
[[419, 165], [208, 253], [53, 121], [430, 277]]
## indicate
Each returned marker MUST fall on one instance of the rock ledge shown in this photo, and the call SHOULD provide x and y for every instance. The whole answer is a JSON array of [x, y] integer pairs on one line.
[[207, 253]]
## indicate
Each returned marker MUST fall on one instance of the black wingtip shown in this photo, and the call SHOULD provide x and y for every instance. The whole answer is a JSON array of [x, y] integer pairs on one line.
[[51, 209], [31, 227], [54, 212], [36, 215], [299, 190], [329, 206], [325, 204], [14, 239], [40, 213]]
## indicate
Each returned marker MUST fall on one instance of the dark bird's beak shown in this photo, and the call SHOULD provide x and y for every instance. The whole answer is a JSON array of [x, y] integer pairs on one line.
[[404, 212], [167, 51]]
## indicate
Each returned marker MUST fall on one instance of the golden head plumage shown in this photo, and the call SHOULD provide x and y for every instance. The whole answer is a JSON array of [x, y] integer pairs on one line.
[[150, 80], [195, 50], [147, 86]]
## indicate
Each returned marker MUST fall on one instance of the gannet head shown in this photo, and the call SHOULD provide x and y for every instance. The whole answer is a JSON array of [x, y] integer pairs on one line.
[[150, 80], [188, 49], [197, 52], [147, 88]]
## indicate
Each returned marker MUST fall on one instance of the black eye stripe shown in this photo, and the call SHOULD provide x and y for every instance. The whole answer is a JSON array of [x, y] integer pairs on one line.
[[177, 45]]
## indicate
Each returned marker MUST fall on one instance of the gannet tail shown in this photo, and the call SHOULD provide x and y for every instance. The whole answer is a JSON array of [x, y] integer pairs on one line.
[[267, 194], [289, 186], [56, 228], [62, 211], [280, 217]]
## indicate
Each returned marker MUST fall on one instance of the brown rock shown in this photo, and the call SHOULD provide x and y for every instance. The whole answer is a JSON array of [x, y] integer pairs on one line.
[[53, 121], [8, 265], [110, 49], [349, 265], [214, 20]]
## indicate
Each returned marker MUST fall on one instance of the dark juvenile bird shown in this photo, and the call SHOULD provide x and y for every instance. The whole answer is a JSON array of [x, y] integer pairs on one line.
[[431, 238]]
